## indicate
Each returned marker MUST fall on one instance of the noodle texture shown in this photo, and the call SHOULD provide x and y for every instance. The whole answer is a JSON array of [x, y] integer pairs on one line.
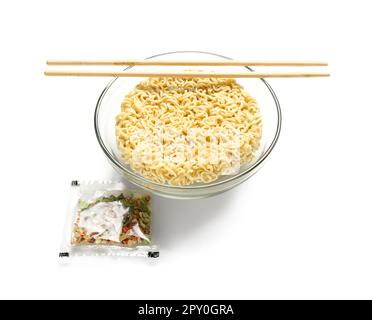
[[181, 131]]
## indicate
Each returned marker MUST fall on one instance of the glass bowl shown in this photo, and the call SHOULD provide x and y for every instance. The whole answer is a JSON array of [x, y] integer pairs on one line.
[[108, 107]]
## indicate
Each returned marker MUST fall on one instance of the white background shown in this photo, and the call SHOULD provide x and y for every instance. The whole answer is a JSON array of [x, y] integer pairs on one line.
[[300, 228]]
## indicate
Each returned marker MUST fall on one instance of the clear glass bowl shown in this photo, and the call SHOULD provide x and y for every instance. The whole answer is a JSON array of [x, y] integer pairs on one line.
[[108, 106]]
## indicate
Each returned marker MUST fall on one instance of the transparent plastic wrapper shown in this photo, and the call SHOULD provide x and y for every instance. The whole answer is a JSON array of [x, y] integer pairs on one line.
[[106, 218]]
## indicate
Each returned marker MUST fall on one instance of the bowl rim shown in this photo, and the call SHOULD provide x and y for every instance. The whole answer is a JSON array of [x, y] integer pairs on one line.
[[189, 187]]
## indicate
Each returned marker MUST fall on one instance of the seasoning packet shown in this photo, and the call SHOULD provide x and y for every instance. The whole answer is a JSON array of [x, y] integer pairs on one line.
[[106, 218]]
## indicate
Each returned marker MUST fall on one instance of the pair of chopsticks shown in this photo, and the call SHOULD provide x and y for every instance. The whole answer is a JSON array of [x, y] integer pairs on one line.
[[186, 74]]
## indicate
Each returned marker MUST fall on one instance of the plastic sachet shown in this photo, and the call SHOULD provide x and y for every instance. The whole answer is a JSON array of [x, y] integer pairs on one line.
[[106, 218]]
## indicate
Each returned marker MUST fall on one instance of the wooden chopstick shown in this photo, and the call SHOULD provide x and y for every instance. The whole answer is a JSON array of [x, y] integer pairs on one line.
[[186, 74], [186, 63]]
